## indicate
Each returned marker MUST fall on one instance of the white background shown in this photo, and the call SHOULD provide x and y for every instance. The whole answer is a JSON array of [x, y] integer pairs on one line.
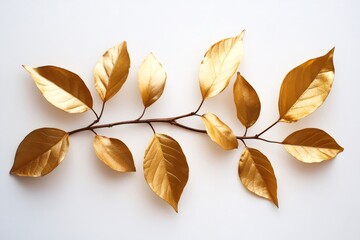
[[83, 199]]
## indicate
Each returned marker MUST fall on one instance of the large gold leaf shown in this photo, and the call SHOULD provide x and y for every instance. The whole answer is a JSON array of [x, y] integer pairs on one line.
[[152, 78], [219, 65], [257, 174], [165, 168], [114, 153], [306, 87], [247, 102], [311, 145], [219, 132], [111, 71], [62, 88], [40, 152]]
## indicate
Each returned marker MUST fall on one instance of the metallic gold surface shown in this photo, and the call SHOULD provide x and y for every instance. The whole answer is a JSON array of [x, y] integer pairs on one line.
[[111, 71], [306, 87], [165, 168], [219, 65], [40, 152], [152, 79], [219, 132], [62, 88], [311, 145], [257, 174], [114, 153], [247, 101]]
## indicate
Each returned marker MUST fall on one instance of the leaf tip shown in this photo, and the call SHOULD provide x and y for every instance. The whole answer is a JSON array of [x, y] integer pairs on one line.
[[123, 44], [27, 68], [341, 149], [242, 33], [330, 54], [275, 201], [175, 207]]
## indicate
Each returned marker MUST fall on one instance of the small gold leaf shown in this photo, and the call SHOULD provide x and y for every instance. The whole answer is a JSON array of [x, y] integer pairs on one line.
[[247, 102], [219, 132], [165, 168], [306, 87], [114, 153], [62, 88], [257, 174], [40, 152], [111, 71], [152, 78], [311, 145], [219, 65]]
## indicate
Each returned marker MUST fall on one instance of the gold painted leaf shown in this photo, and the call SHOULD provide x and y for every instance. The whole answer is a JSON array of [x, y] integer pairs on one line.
[[311, 145], [247, 102], [219, 65], [111, 71], [40, 152], [219, 132], [165, 168], [152, 79], [62, 88], [114, 153], [257, 174], [306, 87]]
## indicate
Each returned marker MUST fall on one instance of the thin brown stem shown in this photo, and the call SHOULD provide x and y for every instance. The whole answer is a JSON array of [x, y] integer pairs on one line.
[[172, 121], [187, 127], [102, 111], [142, 114], [256, 137], [242, 140], [96, 115], [269, 141], [268, 128], [152, 128], [201, 103]]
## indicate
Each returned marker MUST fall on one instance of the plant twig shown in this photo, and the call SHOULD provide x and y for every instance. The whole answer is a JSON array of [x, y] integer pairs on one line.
[[152, 128], [268, 128], [142, 114], [201, 103], [173, 122], [102, 111], [96, 115]]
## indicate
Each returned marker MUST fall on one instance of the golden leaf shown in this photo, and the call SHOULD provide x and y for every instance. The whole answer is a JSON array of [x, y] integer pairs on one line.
[[111, 71], [40, 152], [62, 88], [219, 65], [247, 102], [152, 79], [219, 132], [165, 168], [306, 87], [311, 145], [114, 153], [257, 174]]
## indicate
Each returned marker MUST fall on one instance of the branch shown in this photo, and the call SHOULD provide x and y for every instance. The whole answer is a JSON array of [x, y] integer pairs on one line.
[[173, 122]]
